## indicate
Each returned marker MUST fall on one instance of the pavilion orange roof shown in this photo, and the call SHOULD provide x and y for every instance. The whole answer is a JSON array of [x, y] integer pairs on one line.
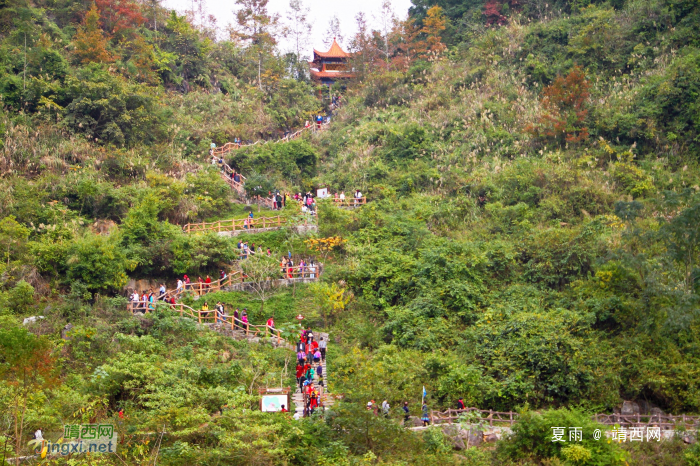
[[334, 52]]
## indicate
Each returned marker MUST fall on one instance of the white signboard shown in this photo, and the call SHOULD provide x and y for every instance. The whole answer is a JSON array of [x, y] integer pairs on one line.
[[322, 192], [273, 403]]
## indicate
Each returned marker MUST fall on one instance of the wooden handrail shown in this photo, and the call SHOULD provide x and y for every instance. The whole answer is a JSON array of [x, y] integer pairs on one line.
[[298, 273], [201, 316], [349, 202], [201, 288], [229, 146], [627, 420], [236, 224]]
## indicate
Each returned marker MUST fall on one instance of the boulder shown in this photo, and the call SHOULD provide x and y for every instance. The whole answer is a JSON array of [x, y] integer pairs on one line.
[[492, 436], [414, 421], [64, 333], [31, 320], [629, 408], [453, 431], [656, 412], [646, 407], [473, 437]]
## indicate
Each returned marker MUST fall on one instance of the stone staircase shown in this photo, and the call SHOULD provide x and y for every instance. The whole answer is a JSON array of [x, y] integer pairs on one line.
[[326, 400]]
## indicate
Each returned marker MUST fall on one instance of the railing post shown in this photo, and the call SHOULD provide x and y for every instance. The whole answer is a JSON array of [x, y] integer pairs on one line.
[[199, 316]]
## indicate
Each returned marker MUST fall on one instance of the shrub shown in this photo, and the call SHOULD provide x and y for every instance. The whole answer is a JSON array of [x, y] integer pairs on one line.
[[99, 262], [532, 439], [565, 103]]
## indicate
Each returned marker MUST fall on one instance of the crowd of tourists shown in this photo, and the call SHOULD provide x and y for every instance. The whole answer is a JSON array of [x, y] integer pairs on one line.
[[146, 300], [278, 201], [310, 355], [303, 269]]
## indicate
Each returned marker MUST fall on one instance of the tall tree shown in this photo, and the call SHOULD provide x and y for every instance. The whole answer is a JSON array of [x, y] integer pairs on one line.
[[565, 105], [298, 27], [387, 23], [405, 39], [257, 26], [259, 271], [119, 15], [333, 32], [433, 25], [27, 366], [362, 47], [89, 42]]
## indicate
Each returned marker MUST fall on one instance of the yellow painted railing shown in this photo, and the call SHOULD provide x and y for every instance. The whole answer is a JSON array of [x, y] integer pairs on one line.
[[209, 316], [236, 224]]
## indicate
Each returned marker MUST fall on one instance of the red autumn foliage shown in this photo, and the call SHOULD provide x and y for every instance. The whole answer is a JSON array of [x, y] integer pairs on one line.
[[565, 102], [492, 11], [119, 15]]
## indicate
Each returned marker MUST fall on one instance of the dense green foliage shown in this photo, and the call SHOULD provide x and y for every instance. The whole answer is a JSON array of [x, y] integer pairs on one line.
[[531, 239]]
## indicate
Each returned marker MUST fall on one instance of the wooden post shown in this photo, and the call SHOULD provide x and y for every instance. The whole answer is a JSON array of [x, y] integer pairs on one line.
[[278, 337], [490, 417], [199, 315], [218, 224]]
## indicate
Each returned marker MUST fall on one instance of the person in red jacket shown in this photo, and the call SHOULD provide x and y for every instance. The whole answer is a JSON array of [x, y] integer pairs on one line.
[[300, 373]]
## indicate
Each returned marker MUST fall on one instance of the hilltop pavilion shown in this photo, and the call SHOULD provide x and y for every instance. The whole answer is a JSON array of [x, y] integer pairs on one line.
[[329, 67]]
